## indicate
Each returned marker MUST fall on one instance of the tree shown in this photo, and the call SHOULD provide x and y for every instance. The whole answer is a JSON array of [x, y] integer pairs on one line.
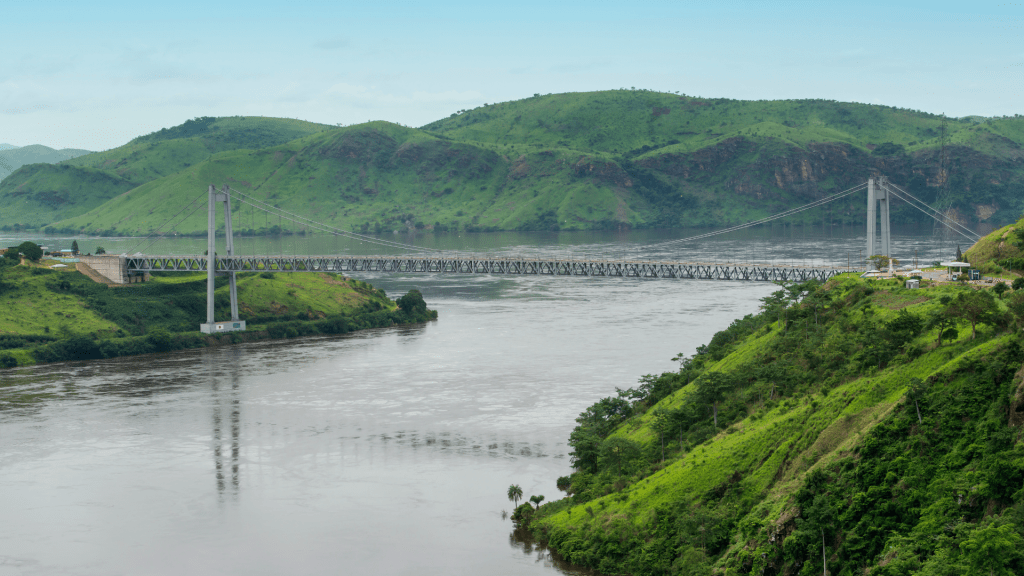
[[711, 389], [662, 425], [515, 494], [902, 329], [100, 250], [959, 254], [914, 392], [537, 500], [586, 448], [1018, 283], [618, 451], [412, 302], [564, 483], [993, 550], [976, 307], [74, 246], [1016, 305], [881, 261], [1000, 288], [944, 318], [31, 251]]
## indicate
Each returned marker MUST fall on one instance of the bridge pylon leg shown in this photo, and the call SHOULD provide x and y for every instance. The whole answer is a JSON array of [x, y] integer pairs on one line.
[[233, 325]]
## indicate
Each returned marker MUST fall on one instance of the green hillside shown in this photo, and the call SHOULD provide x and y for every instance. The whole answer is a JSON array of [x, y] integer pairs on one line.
[[381, 176], [14, 157], [836, 422], [61, 314], [36, 195], [41, 193], [620, 158]]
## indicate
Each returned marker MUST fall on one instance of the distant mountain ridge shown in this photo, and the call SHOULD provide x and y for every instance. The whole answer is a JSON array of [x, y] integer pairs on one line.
[[18, 156], [611, 159], [39, 194]]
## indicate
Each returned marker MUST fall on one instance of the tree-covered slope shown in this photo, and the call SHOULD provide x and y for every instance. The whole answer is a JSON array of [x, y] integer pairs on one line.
[[55, 195], [835, 430]]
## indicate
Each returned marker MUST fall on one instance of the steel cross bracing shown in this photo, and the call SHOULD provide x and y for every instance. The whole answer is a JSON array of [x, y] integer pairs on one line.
[[483, 265]]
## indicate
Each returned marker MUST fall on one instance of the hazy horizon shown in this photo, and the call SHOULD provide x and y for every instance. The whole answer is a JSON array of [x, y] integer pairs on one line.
[[94, 77]]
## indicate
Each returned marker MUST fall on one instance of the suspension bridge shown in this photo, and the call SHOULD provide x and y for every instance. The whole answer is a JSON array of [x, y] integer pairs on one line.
[[880, 194]]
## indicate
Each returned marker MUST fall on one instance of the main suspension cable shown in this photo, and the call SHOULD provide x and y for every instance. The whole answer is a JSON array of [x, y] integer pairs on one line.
[[932, 212], [302, 220]]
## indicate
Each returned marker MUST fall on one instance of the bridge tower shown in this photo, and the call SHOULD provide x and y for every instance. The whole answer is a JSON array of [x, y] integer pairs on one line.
[[878, 197], [233, 325]]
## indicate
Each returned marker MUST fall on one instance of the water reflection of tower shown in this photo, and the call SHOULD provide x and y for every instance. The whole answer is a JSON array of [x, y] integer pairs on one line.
[[232, 420]]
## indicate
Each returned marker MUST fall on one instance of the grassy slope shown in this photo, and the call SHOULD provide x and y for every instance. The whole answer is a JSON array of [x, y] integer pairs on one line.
[[382, 174], [34, 308], [34, 154], [174, 302], [587, 160], [762, 459], [995, 246], [624, 121], [40, 194]]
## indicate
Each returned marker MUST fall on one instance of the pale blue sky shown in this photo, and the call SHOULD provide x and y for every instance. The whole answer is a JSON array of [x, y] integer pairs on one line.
[[94, 75]]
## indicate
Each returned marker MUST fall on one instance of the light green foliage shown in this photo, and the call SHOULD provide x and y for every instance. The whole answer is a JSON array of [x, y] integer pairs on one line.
[[843, 425], [41, 194], [57, 307], [31, 308]]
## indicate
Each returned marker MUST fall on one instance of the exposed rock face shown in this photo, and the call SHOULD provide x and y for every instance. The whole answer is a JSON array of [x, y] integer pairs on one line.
[[607, 172], [770, 170]]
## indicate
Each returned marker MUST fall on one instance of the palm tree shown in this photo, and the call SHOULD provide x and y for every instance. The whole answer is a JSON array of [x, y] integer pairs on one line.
[[515, 493]]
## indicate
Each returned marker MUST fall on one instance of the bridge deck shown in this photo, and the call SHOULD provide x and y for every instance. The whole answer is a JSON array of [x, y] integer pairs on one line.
[[486, 265]]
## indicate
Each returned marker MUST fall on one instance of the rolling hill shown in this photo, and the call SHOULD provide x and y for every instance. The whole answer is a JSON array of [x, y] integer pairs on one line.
[[619, 158], [37, 194], [13, 157]]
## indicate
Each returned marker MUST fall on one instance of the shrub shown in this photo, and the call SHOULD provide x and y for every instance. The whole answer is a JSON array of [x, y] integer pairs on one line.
[[8, 361], [412, 302]]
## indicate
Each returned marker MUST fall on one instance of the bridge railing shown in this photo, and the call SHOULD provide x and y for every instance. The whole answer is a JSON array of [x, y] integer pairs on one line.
[[487, 265]]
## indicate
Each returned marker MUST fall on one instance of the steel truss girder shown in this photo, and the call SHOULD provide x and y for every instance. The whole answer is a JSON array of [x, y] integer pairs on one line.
[[509, 266]]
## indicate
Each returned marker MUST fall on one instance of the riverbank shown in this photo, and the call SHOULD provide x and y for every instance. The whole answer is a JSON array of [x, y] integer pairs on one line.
[[60, 314], [857, 425]]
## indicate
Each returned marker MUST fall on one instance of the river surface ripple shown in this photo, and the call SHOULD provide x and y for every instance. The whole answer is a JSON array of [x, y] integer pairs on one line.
[[382, 452]]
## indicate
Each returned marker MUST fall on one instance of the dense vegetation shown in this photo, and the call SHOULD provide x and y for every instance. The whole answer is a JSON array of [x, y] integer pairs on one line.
[[618, 158], [65, 316], [856, 426]]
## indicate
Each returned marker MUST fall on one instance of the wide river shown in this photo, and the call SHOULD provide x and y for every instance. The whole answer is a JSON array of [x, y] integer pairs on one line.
[[382, 452]]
